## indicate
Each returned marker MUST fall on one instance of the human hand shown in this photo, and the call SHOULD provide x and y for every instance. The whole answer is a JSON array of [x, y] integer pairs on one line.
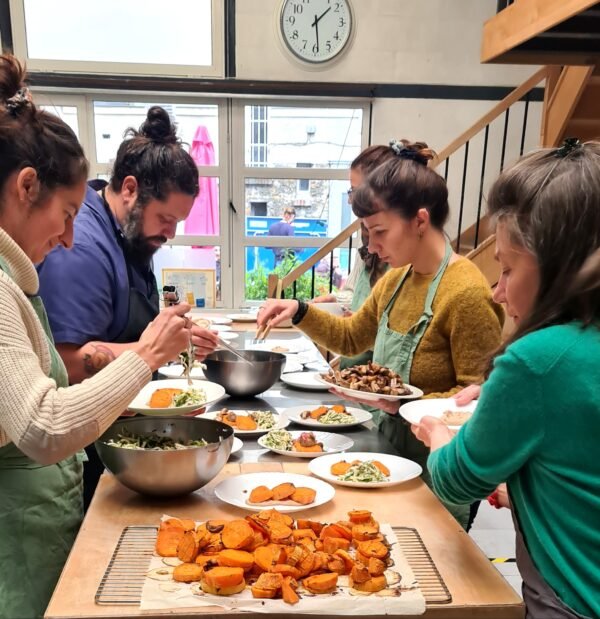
[[165, 337], [433, 432], [204, 341], [467, 395], [325, 298], [388, 406], [276, 311], [346, 313]]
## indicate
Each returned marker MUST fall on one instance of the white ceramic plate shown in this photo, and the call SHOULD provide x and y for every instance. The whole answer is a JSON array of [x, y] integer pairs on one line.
[[237, 444], [293, 414], [332, 444], [415, 411], [219, 328], [215, 320], [281, 422], [296, 345], [291, 365], [242, 317], [365, 395], [228, 335], [401, 469], [235, 490], [212, 391], [176, 371], [304, 380]]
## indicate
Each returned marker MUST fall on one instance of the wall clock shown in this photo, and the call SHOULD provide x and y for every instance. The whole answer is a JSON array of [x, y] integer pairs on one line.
[[316, 31]]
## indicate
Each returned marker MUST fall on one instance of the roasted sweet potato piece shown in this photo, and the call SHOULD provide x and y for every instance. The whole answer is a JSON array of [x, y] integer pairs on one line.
[[331, 544], [283, 491], [340, 468], [340, 409], [359, 573], [163, 398], [173, 523], [272, 515], [288, 591], [310, 524], [286, 570], [345, 556], [321, 583], [321, 560], [307, 543], [259, 540], [335, 564], [297, 446], [208, 587], [188, 572], [306, 533], [270, 580], [376, 566], [333, 530], [235, 558], [168, 540], [188, 547], [360, 516], [257, 524], [306, 564], [382, 467], [343, 530], [207, 561], [214, 545], [373, 549], [293, 554], [221, 577], [318, 412], [268, 556], [237, 534], [260, 494], [304, 496], [364, 532], [280, 533], [245, 422], [259, 593], [374, 584]]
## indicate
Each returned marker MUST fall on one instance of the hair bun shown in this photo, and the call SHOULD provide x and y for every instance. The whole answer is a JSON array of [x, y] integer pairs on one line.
[[416, 151], [158, 126], [13, 91]]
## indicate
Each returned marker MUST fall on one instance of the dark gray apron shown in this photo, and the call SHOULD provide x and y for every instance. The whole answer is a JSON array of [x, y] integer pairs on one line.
[[142, 311], [541, 601]]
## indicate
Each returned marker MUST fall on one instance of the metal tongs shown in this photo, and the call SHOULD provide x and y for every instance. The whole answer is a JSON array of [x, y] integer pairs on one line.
[[171, 297], [233, 350]]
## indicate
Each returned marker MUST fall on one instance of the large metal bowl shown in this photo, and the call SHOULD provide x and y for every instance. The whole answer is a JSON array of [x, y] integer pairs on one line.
[[167, 473], [242, 379]]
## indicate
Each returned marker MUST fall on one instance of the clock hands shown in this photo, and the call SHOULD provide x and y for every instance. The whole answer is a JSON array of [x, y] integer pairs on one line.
[[315, 25]]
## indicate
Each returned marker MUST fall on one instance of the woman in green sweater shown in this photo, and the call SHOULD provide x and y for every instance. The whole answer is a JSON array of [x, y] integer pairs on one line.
[[434, 321], [538, 420]]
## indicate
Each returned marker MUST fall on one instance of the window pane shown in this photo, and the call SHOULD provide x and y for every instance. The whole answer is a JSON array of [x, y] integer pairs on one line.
[[68, 113], [126, 31], [204, 216], [321, 207], [197, 126], [326, 137], [260, 261], [178, 257]]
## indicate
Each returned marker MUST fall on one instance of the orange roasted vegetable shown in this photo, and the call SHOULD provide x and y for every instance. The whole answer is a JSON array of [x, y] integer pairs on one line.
[[304, 496], [300, 533], [340, 468], [245, 422], [280, 533], [236, 558], [283, 491], [260, 494], [359, 573], [373, 549], [321, 583], [188, 547], [331, 544], [382, 467], [374, 584], [376, 566], [208, 587], [268, 556], [237, 534], [188, 572], [168, 540], [297, 446], [360, 516], [365, 532], [163, 398], [288, 591], [318, 412], [221, 577]]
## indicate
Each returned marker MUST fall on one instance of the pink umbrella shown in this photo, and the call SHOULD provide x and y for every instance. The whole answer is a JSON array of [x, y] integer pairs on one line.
[[204, 216]]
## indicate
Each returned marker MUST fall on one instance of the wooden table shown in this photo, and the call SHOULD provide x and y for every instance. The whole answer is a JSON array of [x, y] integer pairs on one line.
[[477, 588]]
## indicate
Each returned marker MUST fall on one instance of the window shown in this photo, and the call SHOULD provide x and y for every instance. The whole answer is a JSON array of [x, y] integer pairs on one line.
[[184, 37], [258, 135]]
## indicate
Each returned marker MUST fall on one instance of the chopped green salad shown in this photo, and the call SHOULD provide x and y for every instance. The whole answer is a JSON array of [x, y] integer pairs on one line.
[[363, 472], [153, 442], [265, 420], [279, 439], [332, 418], [189, 397]]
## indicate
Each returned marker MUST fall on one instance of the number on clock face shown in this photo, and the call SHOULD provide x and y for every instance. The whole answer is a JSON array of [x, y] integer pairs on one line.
[[316, 30]]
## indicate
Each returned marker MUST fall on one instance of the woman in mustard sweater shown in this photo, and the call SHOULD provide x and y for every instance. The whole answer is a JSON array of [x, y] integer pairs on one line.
[[433, 321], [538, 420]]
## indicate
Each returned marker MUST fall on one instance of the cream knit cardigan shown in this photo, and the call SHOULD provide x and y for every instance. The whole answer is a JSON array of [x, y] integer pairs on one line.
[[45, 422]]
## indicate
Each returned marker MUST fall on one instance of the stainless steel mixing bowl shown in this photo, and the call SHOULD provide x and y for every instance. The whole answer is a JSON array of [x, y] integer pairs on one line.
[[167, 473], [242, 379]]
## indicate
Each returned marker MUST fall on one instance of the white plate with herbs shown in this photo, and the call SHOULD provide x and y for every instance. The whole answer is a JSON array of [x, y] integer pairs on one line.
[[364, 470], [265, 420], [325, 416], [184, 398], [289, 443]]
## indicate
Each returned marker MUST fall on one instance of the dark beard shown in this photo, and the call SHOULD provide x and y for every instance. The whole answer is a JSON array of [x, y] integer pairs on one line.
[[139, 248]]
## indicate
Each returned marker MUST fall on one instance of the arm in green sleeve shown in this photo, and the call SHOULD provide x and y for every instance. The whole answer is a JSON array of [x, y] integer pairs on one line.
[[504, 432]]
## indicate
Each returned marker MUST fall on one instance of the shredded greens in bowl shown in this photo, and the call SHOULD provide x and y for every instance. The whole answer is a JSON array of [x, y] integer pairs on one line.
[[189, 397], [265, 420], [363, 472], [153, 442], [279, 439], [332, 418]]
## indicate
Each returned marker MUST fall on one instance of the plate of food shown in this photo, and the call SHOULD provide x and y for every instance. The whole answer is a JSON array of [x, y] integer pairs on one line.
[[211, 320], [228, 335], [285, 492], [446, 409], [242, 317], [371, 381], [307, 381], [236, 445], [292, 365], [171, 397], [177, 370], [291, 346], [248, 421], [305, 444], [364, 470], [335, 416]]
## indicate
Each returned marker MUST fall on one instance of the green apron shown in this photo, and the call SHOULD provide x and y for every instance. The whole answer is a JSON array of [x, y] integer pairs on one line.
[[396, 351], [40, 513]]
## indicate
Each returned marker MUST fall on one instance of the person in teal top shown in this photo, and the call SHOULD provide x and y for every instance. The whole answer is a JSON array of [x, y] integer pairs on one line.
[[537, 423]]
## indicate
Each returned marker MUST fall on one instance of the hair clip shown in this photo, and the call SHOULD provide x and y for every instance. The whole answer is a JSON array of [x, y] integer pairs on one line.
[[567, 147], [20, 99], [404, 152]]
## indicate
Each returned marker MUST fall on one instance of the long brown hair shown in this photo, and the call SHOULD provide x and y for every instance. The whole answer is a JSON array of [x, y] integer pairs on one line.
[[549, 202]]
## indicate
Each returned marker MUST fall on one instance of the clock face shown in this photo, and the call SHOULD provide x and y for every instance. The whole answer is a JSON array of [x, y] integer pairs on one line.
[[316, 30]]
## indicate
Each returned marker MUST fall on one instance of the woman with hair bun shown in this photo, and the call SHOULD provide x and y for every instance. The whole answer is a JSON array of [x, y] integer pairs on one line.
[[430, 318], [537, 422], [112, 294], [43, 421]]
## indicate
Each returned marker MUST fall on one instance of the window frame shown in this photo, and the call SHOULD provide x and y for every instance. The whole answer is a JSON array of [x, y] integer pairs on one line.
[[215, 69]]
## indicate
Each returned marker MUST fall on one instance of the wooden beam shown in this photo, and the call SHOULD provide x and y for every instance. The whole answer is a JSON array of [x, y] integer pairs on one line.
[[486, 119], [564, 99], [321, 253], [551, 81], [523, 20], [272, 286]]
